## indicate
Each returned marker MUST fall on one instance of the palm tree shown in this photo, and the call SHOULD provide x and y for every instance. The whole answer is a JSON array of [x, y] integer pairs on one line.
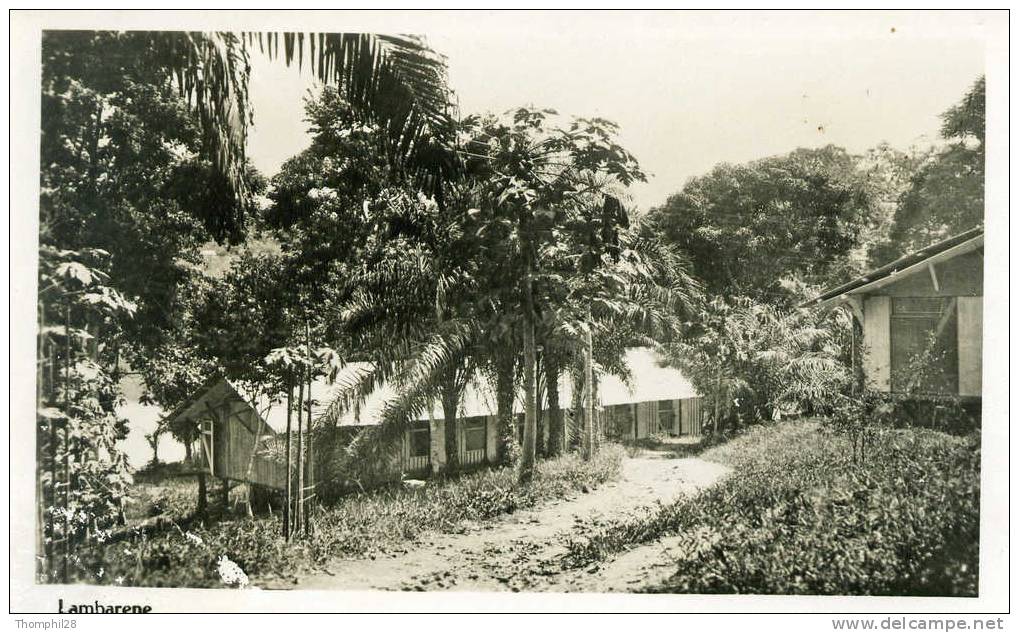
[[395, 82]]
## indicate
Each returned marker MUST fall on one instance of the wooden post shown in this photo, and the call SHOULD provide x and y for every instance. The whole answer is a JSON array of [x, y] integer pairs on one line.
[[203, 493], [852, 355]]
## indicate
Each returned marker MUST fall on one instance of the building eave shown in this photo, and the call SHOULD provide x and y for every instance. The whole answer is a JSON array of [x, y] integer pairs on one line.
[[900, 269]]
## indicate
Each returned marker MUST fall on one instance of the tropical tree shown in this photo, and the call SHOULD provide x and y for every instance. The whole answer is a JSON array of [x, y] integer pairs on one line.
[[396, 82], [143, 140], [945, 195], [544, 184], [756, 361], [763, 228], [83, 476]]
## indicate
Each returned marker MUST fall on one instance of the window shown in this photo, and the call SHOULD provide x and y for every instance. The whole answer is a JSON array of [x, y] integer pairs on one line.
[[925, 351], [666, 417], [474, 435], [420, 442]]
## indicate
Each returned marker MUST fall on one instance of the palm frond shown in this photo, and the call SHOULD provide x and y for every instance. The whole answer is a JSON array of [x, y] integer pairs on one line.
[[394, 81]]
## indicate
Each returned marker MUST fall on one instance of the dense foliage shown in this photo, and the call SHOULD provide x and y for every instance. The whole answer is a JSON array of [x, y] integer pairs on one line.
[[945, 195], [83, 474], [755, 362], [761, 228], [448, 252], [797, 516]]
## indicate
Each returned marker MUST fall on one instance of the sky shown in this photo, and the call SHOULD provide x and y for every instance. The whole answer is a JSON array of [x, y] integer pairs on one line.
[[688, 90], [687, 96]]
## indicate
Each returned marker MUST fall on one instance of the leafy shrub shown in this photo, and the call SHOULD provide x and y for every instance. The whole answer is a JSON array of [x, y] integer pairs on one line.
[[860, 415], [950, 414], [368, 523], [797, 516], [756, 362]]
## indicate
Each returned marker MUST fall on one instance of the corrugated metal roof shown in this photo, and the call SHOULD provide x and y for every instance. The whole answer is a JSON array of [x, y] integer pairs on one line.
[[650, 380], [973, 237]]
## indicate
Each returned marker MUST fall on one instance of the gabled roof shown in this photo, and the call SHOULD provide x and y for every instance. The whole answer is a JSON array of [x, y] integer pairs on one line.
[[213, 393], [650, 380], [903, 267]]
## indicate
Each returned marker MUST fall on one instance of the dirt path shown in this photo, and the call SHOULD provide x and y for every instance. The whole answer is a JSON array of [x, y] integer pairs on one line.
[[521, 551]]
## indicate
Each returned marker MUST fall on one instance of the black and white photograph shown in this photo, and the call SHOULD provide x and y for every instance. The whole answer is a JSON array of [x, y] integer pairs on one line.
[[636, 310]]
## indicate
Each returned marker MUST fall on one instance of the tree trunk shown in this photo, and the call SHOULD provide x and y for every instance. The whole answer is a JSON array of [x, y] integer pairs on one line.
[[596, 415], [718, 402], [530, 418], [299, 514], [576, 434], [450, 399], [309, 461], [42, 557], [309, 464], [589, 447], [504, 379], [290, 489], [556, 434], [539, 414]]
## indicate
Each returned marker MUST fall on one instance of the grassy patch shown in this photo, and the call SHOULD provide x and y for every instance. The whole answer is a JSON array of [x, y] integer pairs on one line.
[[360, 525], [798, 517]]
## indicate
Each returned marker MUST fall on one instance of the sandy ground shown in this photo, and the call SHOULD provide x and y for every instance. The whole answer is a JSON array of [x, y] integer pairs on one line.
[[522, 551]]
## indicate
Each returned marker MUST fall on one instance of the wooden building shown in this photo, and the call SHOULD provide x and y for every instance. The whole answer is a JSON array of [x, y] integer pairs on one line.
[[921, 318], [243, 435], [235, 441], [657, 401]]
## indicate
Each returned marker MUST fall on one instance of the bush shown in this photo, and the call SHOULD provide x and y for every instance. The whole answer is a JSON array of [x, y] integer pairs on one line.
[[797, 516], [950, 414], [755, 362], [861, 414], [359, 525]]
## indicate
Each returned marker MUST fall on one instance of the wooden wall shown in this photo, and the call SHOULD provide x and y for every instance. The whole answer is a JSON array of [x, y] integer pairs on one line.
[[971, 337], [877, 344], [687, 418], [691, 416], [235, 455], [962, 278]]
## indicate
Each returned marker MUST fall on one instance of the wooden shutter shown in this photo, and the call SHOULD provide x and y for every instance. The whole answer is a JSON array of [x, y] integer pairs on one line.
[[877, 343], [971, 334]]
